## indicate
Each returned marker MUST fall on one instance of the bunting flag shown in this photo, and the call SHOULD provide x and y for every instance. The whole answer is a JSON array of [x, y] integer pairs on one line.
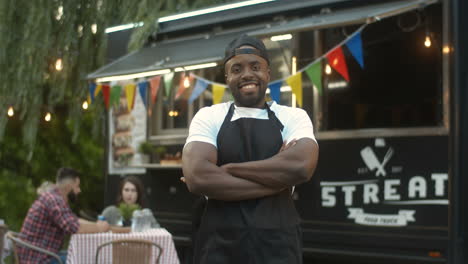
[[130, 94], [275, 90], [105, 94], [200, 86], [115, 95], [183, 85], [92, 88], [295, 82], [314, 72], [154, 85], [142, 89], [354, 45], [337, 62], [98, 90], [168, 82], [218, 92], [335, 57]]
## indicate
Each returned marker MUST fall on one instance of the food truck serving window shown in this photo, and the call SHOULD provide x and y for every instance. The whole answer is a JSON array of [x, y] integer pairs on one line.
[[172, 113], [400, 85]]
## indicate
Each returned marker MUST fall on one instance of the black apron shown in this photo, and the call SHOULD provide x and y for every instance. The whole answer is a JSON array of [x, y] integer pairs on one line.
[[258, 231]]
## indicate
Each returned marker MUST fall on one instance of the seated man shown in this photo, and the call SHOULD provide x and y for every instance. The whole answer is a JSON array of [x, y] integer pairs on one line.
[[50, 218]]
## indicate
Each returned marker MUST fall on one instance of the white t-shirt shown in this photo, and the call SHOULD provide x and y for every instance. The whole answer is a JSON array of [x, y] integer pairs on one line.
[[208, 120]]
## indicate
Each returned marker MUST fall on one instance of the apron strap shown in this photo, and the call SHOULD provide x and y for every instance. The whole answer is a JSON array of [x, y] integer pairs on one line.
[[272, 117], [229, 115]]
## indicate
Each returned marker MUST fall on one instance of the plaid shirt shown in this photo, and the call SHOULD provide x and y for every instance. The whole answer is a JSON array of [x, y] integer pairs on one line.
[[48, 221]]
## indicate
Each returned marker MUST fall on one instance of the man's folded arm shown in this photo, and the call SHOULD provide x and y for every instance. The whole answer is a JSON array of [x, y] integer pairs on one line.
[[290, 167], [204, 177]]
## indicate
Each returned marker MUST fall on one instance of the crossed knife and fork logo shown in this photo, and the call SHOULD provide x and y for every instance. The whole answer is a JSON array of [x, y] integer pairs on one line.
[[372, 162]]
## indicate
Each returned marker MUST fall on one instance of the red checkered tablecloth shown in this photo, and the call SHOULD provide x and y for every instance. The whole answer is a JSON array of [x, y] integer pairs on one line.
[[82, 248]]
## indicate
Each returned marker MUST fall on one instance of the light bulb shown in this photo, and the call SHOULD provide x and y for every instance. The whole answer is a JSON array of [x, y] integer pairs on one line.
[[85, 105], [94, 28], [47, 117], [186, 82], [427, 42], [328, 69], [59, 65], [11, 112]]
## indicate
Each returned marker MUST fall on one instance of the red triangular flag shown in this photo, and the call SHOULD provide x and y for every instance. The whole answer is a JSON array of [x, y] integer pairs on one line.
[[337, 61], [182, 83], [154, 84], [106, 94]]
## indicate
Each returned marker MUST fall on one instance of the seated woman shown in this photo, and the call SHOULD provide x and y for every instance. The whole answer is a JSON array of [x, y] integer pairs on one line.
[[131, 192]]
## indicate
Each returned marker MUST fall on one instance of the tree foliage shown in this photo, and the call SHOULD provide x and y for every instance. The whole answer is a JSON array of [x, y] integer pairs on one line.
[[54, 149], [34, 36]]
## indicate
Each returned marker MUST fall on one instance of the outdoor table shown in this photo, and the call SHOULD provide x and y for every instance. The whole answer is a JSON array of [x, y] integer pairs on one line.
[[82, 247]]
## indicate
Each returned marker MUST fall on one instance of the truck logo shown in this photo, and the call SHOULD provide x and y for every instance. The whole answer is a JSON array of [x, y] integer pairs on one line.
[[372, 162], [384, 186]]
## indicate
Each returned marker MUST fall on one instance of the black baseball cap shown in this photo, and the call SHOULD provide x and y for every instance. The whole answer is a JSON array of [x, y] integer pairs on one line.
[[232, 48]]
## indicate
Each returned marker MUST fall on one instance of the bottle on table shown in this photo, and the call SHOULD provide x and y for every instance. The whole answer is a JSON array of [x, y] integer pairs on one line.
[[137, 221]]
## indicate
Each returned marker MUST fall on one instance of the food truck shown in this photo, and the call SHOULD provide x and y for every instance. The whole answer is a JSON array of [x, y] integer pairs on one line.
[[374, 77]]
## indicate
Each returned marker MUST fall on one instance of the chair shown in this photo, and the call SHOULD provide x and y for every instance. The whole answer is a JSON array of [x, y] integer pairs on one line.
[[135, 251], [13, 236], [3, 231]]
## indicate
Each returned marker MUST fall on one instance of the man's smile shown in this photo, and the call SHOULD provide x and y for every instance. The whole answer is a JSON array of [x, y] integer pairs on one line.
[[248, 87]]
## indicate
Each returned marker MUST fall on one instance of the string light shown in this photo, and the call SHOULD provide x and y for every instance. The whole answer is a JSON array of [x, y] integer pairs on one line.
[[427, 42], [59, 14], [94, 28], [186, 82], [85, 105], [59, 65], [173, 113], [48, 117], [328, 69], [335, 62], [446, 49], [11, 112]]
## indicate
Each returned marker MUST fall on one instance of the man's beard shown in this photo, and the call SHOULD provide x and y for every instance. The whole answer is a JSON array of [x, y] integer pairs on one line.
[[250, 101], [72, 197]]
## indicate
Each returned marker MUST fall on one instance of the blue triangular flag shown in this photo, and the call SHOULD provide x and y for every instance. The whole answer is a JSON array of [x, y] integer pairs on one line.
[[200, 86], [92, 88], [275, 92], [354, 45], [142, 87]]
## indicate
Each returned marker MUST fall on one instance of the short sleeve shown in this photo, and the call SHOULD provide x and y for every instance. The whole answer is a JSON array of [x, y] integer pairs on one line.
[[203, 127], [299, 126]]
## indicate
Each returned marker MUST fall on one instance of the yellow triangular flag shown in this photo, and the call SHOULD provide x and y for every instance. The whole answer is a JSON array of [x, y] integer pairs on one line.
[[130, 93], [97, 90], [295, 82], [218, 93]]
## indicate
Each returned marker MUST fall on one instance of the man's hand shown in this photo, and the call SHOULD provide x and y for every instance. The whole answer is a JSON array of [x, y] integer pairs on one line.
[[102, 226]]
